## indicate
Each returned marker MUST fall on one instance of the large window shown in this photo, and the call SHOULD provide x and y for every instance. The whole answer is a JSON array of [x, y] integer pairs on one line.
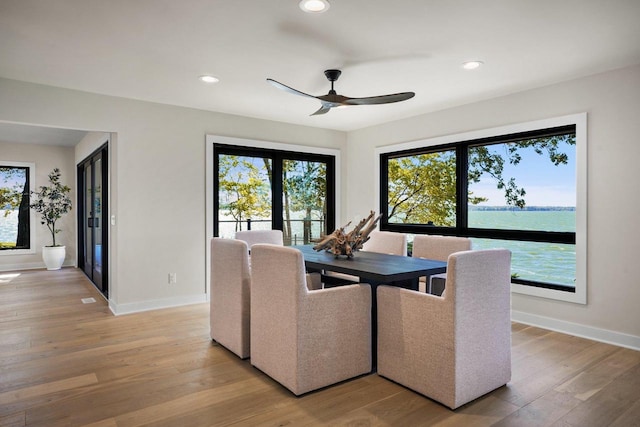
[[516, 190], [263, 189], [15, 217]]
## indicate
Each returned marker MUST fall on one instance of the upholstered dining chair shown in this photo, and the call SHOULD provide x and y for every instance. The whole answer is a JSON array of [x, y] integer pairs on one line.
[[386, 242], [274, 237], [306, 339], [466, 350], [438, 248], [260, 236], [230, 295]]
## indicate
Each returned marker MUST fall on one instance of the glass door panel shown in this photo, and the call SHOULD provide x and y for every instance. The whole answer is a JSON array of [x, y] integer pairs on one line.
[[244, 195], [87, 220], [97, 222], [304, 200]]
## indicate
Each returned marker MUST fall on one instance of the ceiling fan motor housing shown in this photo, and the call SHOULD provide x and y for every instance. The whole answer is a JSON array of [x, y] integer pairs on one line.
[[332, 75]]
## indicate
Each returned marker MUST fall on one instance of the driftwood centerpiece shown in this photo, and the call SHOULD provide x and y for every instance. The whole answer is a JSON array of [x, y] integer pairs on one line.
[[339, 243]]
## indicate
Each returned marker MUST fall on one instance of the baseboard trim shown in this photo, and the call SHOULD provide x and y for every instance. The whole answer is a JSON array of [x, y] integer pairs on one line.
[[597, 334], [31, 266], [137, 307]]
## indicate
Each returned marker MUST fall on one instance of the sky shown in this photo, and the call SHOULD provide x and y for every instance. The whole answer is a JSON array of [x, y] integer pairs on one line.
[[11, 180], [545, 184]]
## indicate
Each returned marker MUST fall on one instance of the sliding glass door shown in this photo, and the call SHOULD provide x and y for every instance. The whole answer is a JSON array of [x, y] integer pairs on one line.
[[92, 218]]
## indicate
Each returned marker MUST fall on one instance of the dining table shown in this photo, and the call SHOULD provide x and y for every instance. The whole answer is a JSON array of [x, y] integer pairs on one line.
[[374, 269]]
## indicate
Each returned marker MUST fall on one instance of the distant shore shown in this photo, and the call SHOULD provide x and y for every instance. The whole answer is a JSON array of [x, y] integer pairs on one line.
[[526, 208]]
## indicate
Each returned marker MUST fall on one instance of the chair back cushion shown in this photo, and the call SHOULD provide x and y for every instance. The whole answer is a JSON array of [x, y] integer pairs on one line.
[[439, 247], [479, 287], [230, 294], [386, 242], [277, 288], [260, 236]]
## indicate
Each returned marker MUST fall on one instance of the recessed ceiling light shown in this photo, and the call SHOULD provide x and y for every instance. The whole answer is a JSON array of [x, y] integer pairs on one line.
[[471, 65], [209, 79], [314, 6]]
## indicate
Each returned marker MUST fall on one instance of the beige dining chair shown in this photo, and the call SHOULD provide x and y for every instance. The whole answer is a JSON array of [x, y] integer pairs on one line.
[[438, 248], [274, 237], [306, 339], [260, 236], [386, 242], [466, 350], [230, 295]]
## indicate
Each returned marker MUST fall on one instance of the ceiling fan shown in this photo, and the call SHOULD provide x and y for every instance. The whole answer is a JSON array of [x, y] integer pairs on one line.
[[332, 99]]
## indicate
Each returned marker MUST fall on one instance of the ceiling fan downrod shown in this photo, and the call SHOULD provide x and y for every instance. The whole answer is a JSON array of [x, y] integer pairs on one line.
[[332, 76]]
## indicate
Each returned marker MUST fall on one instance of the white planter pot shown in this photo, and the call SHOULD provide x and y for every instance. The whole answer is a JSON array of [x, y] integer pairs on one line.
[[53, 256]]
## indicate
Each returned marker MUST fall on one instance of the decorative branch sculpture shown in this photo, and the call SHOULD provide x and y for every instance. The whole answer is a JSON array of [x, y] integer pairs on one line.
[[339, 243]]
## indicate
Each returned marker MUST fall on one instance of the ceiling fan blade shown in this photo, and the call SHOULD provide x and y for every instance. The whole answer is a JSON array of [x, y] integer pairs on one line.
[[323, 110], [382, 99], [333, 99], [289, 89]]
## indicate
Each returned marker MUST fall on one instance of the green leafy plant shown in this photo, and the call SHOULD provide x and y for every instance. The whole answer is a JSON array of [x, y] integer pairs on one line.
[[51, 202]]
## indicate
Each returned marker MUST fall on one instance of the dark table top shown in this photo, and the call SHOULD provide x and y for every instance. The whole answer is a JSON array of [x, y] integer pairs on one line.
[[382, 268]]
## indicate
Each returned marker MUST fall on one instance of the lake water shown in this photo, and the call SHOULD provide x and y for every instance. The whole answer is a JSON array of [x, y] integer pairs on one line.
[[544, 262], [8, 226], [539, 220]]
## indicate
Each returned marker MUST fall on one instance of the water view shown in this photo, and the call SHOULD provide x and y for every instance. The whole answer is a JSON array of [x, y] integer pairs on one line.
[[8, 226], [543, 262]]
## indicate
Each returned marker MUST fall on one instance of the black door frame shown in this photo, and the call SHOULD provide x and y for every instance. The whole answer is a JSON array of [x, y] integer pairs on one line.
[[104, 219]]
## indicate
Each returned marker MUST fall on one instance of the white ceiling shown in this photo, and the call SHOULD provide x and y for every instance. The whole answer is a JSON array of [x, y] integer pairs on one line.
[[154, 50], [27, 134]]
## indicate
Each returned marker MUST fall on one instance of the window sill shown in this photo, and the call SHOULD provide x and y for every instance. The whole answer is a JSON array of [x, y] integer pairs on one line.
[[8, 252], [578, 297]]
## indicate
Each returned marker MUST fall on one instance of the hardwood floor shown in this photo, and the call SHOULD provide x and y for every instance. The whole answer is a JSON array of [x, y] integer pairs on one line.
[[63, 363]]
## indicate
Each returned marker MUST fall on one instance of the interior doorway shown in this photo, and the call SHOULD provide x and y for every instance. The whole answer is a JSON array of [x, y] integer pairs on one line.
[[93, 218]]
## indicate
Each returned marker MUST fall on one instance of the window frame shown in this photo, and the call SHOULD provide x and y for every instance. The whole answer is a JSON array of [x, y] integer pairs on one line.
[[500, 135], [277, 157], [31, 177]]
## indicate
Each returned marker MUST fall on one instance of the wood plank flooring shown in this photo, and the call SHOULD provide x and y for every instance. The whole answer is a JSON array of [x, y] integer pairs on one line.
[[65, 363]]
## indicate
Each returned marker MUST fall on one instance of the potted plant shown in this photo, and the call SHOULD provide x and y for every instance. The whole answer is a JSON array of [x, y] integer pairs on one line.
[[52, 202]]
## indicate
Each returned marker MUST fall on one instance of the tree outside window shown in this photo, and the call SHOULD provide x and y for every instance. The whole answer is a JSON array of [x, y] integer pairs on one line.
[[244, 190], [14, 207], [422, 189], [304, 188]]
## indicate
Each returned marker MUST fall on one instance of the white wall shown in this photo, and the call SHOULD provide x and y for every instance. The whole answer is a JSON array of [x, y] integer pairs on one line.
[[612, 103], [157, 182], [157, 187], [90, 143], [46, 158]]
